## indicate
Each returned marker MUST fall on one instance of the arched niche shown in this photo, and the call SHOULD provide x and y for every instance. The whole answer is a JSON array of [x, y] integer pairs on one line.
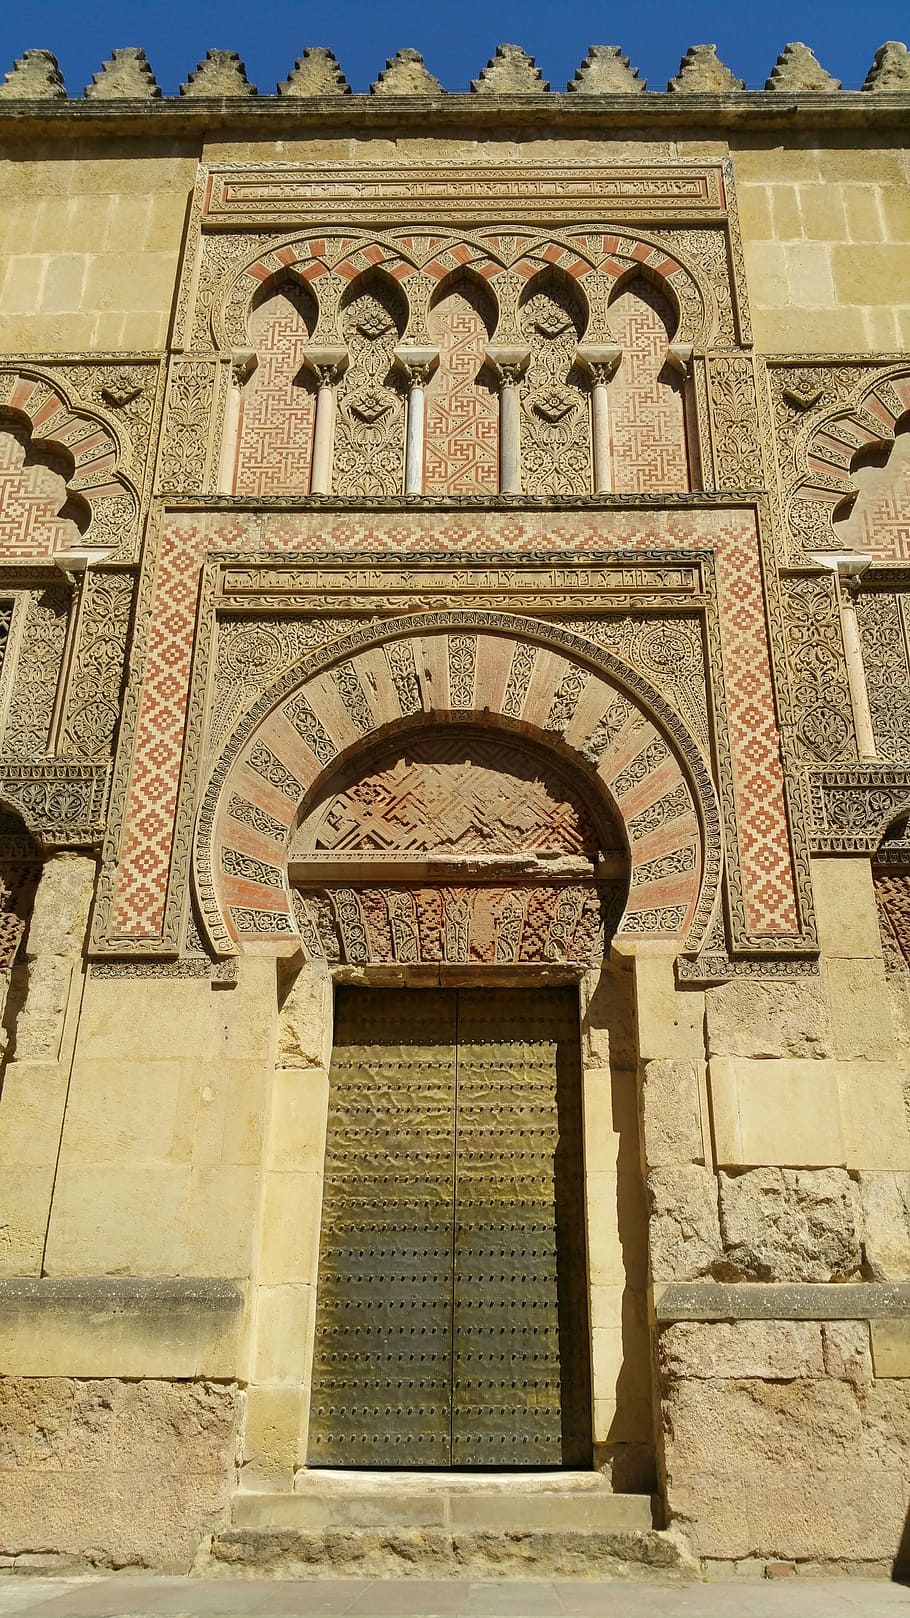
[[876, 518], [461, 432], [459, 844], [38, 514], [849, 463], [646, 397], [370, 402], [556, 422], [277, 410], [511, 677], [76, 446]]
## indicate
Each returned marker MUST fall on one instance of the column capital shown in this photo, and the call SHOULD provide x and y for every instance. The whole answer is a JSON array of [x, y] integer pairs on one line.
[[327, 364], [848, 565], [679, 355], [599, 361], [416, 362], [507, 361], [243, 363]]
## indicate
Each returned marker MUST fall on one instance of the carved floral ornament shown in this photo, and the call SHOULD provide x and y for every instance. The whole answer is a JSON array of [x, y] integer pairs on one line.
[[605, 724], [833, 439], [32, 399], [594, 263]]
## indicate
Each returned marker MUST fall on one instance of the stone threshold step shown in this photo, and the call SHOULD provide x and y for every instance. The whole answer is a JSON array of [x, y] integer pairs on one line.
[[437, 1553], [327, 1503]]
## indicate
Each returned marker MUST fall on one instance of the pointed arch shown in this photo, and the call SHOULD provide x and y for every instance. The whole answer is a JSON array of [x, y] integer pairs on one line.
[[520, 676]]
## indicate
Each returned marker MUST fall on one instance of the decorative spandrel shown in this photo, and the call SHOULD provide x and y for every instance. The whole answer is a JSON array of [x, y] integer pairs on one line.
[[382, 1369], [452, 1297]]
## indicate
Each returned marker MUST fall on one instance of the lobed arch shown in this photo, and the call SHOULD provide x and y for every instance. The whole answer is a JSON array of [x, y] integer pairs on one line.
[[520, 676], [836, 443], [598, 265], [37, 403], [466, 278]]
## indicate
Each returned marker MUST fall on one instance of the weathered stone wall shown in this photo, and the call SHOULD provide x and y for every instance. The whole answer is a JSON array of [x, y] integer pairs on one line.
[[114, 1473], [781, 1444]]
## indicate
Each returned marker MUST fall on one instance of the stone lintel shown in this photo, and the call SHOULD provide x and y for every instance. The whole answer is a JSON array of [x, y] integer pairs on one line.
[[757, 1300]]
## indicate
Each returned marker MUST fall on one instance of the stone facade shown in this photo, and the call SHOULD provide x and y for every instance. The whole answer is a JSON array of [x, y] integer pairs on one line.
[[462, 559]]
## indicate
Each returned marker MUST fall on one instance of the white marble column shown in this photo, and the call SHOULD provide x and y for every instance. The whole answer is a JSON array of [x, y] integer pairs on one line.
[[417, 365], [328, 366], [600, 361], [508, 362], [848, 568]]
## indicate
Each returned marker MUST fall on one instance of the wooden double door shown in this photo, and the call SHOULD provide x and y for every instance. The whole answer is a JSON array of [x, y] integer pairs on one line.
[[452, 1301]]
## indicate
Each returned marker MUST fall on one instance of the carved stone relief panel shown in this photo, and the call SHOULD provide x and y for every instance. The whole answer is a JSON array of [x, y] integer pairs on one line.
[[370, 404], [495, 925], [555, 413], [884, 623], [823, 727], [251, 654], [457, 793], [647, 411], [892, 892], [277, 404], [520, 844], [94, 697], [461, 435], [34, 681], [670, 651]]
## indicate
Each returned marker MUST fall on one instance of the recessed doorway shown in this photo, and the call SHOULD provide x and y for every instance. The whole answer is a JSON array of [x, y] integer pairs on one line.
[[452, 1326]]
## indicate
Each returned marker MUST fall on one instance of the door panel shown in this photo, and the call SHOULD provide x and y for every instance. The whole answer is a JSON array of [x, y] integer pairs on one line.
[[452, 1306], [509, 1405], [382, 1367]]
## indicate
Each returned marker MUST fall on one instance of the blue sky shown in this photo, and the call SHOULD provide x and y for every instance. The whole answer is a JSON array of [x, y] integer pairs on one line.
[[456, 38]]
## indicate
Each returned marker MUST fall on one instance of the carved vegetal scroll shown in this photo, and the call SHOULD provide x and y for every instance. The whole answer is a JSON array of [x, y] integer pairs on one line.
[[555, 416], [370, 405]]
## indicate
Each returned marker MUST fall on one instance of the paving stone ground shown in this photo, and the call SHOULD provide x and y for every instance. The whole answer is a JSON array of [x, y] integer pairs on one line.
[[127, 1597]]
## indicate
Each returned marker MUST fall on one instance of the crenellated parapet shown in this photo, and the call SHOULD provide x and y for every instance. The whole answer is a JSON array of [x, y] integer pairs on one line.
[[605, 75]]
